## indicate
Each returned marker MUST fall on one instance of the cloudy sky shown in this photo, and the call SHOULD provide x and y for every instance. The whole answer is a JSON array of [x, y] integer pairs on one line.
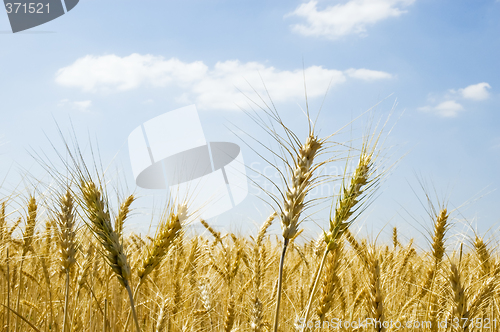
[[109, 66]]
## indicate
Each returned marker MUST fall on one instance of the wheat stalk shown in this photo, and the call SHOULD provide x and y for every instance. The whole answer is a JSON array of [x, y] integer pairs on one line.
[[122, 214], [346, 206], [293, 204], [437, 251], [167, 231], [230, 315], [162, 317], [100, 224], [257, 323], [483, 254], [376, 295], [67, 245], [330, 282], [28, 234]]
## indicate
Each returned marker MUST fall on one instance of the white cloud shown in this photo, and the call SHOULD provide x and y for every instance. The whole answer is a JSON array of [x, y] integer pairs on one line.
[[218, 88], [351, 17], [446, 109], [367, 74], [209, 88], [450, 107], [111, 72], [476, 91], [82, 106]]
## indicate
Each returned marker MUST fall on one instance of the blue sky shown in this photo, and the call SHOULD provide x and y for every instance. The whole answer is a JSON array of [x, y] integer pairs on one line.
[[109, 66]]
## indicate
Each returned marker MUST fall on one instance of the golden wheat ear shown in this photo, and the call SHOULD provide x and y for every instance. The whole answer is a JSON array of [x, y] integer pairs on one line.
[[123, 214], [349, 201], [302, 179], [329, 283], [441, 226], [484, 256], [66, 235], [3, 225], [99, 221], [375, 293], [29, 231], [28, 235], [95, 206], [168, 230]]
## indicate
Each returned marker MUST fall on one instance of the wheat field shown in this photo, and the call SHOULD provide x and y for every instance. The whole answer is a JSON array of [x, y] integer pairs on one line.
[[72, 268], [228, 283]]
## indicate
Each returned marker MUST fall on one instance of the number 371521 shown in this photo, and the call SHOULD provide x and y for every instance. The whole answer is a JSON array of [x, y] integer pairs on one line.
[[32, 8]]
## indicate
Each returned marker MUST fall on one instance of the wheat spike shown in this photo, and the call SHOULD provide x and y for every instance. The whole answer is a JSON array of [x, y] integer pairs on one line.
[[299, 185], [167, 231], [330, 282], [395, 241], [257, 317], [360, 250], [212, 231], [100, 224], [66, 233], [376, 295], [459, 296], [122, 214], [29, 231], [440, 228], [348, 200], [84, 269], [484, 255], [3, 224], [230, 316], [28, 235], [162, 317]]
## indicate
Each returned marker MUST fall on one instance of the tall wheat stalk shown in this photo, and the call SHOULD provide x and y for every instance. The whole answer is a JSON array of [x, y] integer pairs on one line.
[[7, 262], [28, 234], [293, 204], [346, 206], [97, 212], [441, 226], [67, 246], [259, 262], [167, 231]]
